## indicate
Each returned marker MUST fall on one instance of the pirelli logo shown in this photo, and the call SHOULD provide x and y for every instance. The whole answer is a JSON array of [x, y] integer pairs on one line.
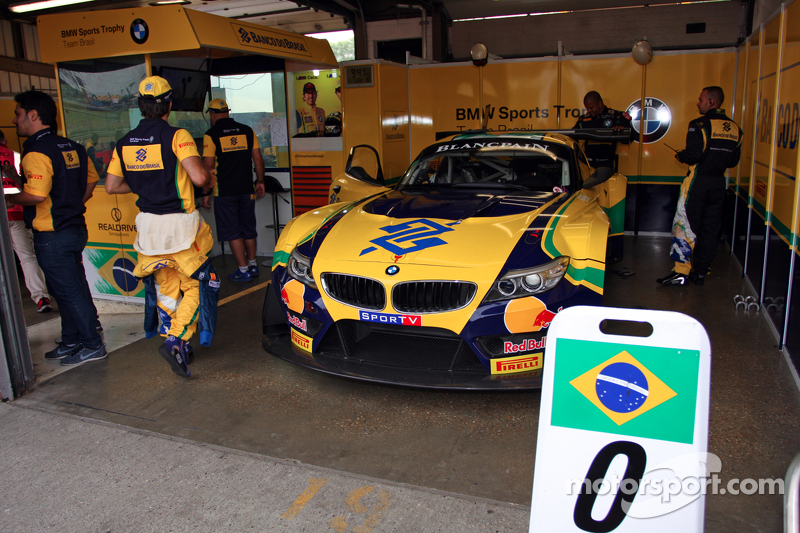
[[142, 158], [71, 159], [301, 341], [233, 143], [520, 363]]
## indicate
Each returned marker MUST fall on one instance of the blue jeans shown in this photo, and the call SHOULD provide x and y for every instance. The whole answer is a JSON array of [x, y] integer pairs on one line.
[[59, 254]]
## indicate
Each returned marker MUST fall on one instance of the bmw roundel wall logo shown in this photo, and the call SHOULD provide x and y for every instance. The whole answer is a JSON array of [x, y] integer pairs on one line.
[[392, 270], [139, 31], [657, 119]]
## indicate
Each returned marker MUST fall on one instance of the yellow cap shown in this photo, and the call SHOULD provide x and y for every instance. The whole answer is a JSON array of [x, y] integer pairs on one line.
[[217, 105], [155, 88]]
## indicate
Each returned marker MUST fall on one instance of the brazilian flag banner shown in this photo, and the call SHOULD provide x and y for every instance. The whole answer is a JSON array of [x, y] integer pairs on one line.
[[623, 423], [636, 391]]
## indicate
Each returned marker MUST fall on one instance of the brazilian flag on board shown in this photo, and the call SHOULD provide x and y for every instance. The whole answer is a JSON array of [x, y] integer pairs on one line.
[[639, 391]]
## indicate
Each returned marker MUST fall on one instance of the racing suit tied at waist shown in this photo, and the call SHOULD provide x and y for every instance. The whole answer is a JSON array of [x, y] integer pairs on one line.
[[166, 234], [193, 262]]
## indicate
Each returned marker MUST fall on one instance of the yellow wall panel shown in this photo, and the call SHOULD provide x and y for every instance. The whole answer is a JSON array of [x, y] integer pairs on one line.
[[395, 137], [766, 110], [442, 98], [619, 82], [678, 80], [741, 111], [751, 110], [521, 95], [360, 105]]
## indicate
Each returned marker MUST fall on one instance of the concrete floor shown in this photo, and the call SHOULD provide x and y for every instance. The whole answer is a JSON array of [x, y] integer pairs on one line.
[[474, 444]]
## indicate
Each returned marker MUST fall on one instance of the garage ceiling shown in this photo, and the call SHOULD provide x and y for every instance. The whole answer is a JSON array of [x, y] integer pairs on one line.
[[309, 16]]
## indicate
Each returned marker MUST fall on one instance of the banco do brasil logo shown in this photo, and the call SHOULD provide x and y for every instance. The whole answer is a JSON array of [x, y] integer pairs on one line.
[[657, 119], [139, 31]]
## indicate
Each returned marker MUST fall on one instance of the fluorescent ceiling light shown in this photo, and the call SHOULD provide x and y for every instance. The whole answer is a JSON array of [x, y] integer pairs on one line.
[[168, 2], [590, 9], [36, 6]]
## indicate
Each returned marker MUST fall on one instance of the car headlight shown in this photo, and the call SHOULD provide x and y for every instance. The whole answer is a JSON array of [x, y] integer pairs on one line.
[[529, 281], [300, 269]]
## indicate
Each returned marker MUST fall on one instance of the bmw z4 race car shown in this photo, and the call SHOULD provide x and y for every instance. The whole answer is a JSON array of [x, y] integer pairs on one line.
[[450, 278]]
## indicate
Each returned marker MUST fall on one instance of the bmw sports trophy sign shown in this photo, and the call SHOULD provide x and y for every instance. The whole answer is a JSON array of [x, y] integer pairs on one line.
[[623, 426]]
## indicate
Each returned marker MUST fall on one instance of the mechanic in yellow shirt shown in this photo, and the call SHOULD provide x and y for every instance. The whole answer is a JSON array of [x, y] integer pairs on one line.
[[161, 164], [59, 180]]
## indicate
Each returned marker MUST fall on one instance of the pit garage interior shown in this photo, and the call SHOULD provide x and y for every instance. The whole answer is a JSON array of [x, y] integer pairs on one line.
[[254, 443]]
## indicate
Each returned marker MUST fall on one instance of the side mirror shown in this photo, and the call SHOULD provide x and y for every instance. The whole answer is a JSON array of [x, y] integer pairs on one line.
[[601, 175]]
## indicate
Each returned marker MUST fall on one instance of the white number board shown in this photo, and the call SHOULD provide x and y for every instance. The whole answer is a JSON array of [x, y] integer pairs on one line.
[[623, 425]]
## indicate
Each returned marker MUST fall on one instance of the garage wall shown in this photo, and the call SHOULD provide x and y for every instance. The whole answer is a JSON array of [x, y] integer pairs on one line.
[[764, 11], [587, 32], [393, 30], [29, 71], [546, 94], [765, 220]]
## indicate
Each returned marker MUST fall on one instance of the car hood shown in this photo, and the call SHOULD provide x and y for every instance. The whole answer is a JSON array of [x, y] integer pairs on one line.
[[459, 231], [454, 204]]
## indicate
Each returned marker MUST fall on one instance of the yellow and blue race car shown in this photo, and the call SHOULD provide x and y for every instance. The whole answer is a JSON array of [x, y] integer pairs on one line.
[[450, 278]]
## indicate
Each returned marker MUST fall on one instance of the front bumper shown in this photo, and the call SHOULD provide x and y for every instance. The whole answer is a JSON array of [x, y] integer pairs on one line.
[[395, 355], [279, 345]]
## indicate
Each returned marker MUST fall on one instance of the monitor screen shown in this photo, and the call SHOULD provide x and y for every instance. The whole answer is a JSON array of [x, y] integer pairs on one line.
[[189, 88]]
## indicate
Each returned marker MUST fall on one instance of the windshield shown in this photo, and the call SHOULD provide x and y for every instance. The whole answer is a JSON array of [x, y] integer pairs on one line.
[[523, 165]]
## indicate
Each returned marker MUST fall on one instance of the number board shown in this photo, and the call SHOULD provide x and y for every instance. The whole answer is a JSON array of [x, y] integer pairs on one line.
[[358, 76], [623, 424]]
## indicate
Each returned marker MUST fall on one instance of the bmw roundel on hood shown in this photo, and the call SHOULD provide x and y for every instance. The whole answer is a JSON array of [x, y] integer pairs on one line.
[[451, 278]]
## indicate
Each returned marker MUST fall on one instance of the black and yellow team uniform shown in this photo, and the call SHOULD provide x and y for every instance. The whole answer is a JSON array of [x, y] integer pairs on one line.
[[173, 241], [713, 145], [601, 153], [58, 170], [232, 144]]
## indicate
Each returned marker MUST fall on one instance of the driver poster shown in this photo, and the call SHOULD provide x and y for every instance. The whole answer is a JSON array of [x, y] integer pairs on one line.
[[318, 104]]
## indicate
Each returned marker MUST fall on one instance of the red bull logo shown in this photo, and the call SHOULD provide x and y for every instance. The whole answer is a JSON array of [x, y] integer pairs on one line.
[[527, 345], [543, 319], [292, 295], [296, 322], [526, 315]]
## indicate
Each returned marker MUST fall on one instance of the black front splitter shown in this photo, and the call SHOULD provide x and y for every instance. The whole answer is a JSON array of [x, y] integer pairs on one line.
[[278, 343]]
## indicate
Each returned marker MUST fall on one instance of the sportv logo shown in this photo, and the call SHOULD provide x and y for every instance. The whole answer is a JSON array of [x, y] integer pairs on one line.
[[671, 485], [386, 318]]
